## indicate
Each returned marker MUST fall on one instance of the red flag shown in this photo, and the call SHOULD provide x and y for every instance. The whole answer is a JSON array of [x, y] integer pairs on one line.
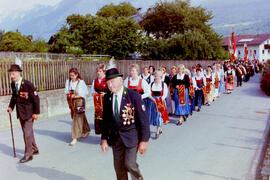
[[250, 55], [246, 51], [234, 46]]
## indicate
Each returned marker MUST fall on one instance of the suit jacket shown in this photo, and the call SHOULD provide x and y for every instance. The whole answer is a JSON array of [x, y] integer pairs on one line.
[[131, 134], [26, 100]]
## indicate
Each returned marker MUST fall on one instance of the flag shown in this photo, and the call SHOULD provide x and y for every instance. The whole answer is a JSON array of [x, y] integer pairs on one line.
[[234, 46], [250, 54], [246, 52]]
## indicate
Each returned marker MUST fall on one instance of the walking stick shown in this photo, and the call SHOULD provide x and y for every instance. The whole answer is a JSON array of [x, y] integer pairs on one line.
[[11, 128]]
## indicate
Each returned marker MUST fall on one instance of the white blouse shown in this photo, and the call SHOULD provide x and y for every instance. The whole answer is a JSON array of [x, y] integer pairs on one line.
[[180, 76], [82, 89], [145, 86], [158, 87]]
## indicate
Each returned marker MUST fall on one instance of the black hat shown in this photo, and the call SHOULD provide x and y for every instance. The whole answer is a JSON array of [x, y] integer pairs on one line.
[[112, 73], [15, 67]]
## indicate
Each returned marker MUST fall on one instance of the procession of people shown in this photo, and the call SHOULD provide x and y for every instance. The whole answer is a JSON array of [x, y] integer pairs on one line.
[[125, 108]]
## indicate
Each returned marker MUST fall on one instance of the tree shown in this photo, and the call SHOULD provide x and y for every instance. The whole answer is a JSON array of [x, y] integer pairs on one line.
[[181, 32], [14, 41], [40, 45], [166, 19], [116, 11], [2, 32], [61, 41], [98, 35]]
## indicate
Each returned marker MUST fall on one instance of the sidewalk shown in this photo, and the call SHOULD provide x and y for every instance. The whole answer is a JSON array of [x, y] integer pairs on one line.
[[223, 141]]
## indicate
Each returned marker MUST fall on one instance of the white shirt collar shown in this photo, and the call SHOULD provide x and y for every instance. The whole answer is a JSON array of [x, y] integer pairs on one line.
[[180, 76]]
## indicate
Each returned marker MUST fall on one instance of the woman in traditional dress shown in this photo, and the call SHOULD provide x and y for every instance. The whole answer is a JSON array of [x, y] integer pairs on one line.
[[98, 90], [181, 84], [216, 83], [147, 76], [209, 86], [220, 72], [77, 92], [170, 88], [229, 76], [165, 78], [191, 91], [159, 91], [136, 83], [200, 93]]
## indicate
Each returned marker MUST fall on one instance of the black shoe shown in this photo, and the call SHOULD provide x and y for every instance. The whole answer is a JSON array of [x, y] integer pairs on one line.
[[157, 135], [191, 113], [198, 110], [36, 152], [26, 159], [185, 118], [178, 123]]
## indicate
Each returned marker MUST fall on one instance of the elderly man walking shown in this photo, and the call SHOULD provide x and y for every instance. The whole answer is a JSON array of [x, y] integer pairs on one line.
[[125, 126], [25, 97]]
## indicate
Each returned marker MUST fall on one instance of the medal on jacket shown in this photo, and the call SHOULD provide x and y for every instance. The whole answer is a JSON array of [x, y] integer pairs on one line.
[[128, 114]]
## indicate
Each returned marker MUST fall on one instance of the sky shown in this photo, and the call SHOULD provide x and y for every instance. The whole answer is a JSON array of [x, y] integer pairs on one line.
[[16, 8]]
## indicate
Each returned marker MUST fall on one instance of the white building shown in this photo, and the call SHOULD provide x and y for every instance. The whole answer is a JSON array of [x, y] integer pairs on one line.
[[258, 45]]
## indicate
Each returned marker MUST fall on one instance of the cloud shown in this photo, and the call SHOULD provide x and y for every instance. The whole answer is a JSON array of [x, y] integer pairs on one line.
[[17, 8]]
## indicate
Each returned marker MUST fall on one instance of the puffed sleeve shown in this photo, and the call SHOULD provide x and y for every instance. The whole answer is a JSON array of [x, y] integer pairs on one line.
[[165, 92], [194, 83], [93, 88], [204, 80], [83, 89], [146, 89], [126, 82], [66, 86]]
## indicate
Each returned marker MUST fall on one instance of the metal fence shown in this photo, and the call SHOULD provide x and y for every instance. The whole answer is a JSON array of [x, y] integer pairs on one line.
[[48, 75], [36, 56]]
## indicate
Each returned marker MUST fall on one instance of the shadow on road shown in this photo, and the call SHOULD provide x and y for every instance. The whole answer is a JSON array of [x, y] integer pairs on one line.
[[9, 150], [66, 136], [62, 136], [48, 173], [92, 126], [213, 175]]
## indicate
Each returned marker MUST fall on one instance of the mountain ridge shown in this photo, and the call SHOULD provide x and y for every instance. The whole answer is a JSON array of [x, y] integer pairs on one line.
[[246, 17]]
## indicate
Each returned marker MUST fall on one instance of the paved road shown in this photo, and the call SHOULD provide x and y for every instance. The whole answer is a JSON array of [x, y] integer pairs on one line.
[[223, 141]]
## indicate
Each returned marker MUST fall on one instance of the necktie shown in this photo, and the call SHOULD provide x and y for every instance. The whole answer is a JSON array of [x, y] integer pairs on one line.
[[116, 113], [17, 87]]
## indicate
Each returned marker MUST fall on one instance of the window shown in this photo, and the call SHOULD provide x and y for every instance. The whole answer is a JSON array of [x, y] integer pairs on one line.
[[239, 52], [263, 51], [268, 51], [254, 51]]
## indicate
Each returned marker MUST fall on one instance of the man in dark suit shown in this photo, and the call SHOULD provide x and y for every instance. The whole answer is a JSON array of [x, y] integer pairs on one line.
[[125, 126], [25, 97]]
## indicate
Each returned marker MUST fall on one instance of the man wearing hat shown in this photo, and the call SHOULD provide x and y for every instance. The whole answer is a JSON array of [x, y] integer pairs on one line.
[[25, 97], [125, 126]]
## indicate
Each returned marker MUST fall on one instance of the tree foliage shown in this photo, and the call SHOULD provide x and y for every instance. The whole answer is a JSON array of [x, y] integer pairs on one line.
[[178, 31], [14, 41], [116, 11], [98, 35]]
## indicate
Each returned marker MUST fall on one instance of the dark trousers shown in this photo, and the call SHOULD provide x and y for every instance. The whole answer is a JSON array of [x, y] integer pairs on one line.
[[125, 161], [28, 136], [239, 81]]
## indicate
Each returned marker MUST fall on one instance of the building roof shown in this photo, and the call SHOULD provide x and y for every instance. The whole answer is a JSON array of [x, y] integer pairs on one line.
[[248, 39]]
